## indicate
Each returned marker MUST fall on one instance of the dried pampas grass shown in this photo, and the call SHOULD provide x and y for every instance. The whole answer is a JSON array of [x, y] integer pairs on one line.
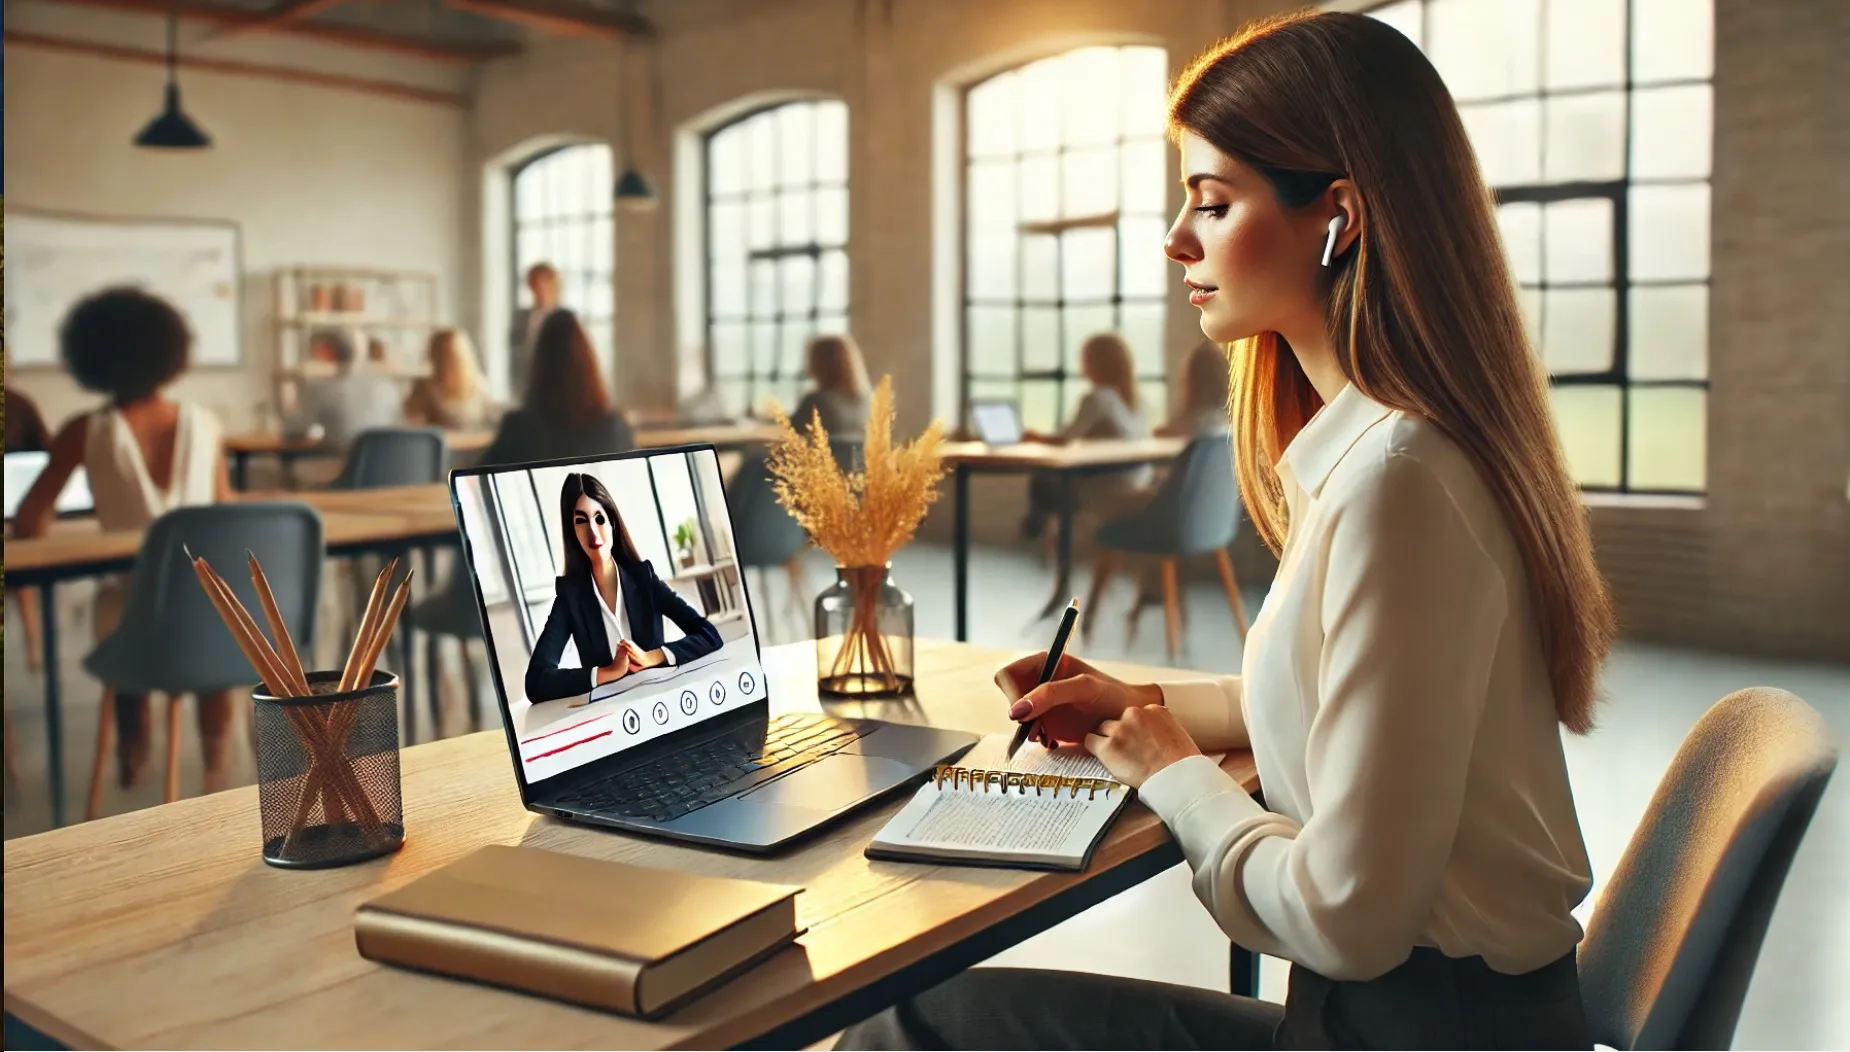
[[861, 517]]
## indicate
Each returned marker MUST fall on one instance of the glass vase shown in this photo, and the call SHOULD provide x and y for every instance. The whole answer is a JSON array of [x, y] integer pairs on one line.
[[863, 635]]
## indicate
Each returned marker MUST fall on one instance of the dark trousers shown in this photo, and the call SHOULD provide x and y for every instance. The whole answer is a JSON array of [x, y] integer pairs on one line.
[[1048, 497], [1430, 1001]]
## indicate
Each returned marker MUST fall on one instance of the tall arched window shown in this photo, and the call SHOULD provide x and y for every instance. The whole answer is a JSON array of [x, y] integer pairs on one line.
[[562, 208], [1592, 121], [1064, 188], [777, 246]]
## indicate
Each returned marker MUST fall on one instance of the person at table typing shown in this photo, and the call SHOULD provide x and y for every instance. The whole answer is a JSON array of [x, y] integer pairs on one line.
[[145, 454], [1436, 620], [609, 604], [1108, 410], [840, 395]]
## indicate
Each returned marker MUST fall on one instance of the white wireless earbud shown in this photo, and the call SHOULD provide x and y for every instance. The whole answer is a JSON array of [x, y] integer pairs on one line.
[[1336, 229]]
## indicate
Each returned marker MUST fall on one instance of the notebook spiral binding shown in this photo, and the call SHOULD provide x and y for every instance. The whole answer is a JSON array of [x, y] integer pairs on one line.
[[978, 778]]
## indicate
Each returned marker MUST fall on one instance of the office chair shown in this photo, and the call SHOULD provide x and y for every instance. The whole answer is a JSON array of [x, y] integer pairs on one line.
[[1676, 934], [1196, 510], [765, 536], [171, 640]]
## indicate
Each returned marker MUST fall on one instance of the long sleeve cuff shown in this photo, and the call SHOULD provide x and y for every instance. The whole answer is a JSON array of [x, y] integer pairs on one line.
[[1209, 710], [1178, 792], [1216, 823], [668, 657]]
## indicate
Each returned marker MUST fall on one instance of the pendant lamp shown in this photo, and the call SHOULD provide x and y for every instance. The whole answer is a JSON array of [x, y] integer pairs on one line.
[[172, 129], [634, 191]]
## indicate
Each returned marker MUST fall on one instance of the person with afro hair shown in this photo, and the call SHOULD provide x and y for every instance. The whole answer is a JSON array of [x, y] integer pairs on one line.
[[145, 453]]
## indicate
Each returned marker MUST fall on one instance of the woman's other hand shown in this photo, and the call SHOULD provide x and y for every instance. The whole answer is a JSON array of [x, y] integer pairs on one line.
[[639, 658], [1074, 702], [618, 668], [1141, 742]]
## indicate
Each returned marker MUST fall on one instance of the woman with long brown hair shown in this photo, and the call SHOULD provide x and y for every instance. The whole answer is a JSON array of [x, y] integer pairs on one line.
[[1203, 409], [609, 604], [567, 411], [841, 396], [1437, 615]]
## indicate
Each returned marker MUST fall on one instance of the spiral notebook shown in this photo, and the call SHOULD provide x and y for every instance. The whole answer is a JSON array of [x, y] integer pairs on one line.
[[1044, 809]]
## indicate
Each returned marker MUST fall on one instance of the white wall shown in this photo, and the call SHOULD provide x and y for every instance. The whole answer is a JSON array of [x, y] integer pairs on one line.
[[313, 174]]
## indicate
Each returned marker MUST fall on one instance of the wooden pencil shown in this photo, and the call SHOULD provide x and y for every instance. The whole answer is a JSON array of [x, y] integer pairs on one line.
[[368, 622], [279, 631]]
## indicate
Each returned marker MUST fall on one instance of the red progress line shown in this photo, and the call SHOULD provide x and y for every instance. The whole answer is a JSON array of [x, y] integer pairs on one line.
[[569, 745], [562, 730]]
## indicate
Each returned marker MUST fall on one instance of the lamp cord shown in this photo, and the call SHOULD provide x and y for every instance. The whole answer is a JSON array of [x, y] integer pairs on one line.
[[173, 45]]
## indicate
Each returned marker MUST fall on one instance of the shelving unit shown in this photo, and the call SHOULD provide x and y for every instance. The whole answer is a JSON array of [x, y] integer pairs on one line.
[[717, 584], [398, 308]]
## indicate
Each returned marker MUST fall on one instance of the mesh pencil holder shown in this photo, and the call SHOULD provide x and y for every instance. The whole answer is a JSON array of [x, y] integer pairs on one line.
[[327, 773]]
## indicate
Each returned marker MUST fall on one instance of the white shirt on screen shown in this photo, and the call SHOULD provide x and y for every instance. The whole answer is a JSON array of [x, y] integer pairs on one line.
[[616, 621], [1402, 719]]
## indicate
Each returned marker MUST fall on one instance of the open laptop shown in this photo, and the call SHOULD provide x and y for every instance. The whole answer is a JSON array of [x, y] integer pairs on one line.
[[24, 468], [689, 750], [996, 423]]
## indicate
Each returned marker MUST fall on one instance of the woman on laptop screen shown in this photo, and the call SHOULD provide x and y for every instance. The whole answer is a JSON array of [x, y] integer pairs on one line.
[[609, 603]]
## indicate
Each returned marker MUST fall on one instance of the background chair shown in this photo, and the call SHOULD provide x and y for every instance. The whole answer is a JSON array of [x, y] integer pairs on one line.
[[392, 456], [170, 639], [450, 611], [1674, 939], [395, 456], [764, 535], [1195, 510]]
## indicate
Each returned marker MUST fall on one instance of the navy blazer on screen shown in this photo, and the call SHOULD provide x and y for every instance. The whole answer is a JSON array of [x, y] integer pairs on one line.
[[575, 615]]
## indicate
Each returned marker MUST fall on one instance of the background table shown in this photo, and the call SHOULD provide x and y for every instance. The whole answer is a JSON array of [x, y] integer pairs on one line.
[[242, 446], [1070, 462], [389, 521], [164, 928]]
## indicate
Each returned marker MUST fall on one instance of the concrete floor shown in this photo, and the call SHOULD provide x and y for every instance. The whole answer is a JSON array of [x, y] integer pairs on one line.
[[1655, 695]]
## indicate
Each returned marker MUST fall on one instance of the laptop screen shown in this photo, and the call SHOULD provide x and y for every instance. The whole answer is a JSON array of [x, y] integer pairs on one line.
[[997, 423], [24, 468], [582, 677]]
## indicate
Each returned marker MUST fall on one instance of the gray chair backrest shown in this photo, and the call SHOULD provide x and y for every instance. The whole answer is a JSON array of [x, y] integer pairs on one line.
[[850, 453], [1196, 509], [1674, 938], [763, 533], [395, 456], [170, 638]]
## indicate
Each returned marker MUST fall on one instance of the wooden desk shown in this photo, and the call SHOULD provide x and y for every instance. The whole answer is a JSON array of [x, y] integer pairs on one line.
[[1070, 462], [164, 928], [721, 436], [385, 521], [242, 446]]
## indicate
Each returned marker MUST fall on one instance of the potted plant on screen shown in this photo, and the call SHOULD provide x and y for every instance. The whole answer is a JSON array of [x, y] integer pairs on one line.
[[861, 517], [684, 543]]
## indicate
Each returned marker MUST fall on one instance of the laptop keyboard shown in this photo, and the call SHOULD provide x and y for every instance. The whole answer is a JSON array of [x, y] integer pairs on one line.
[[714, 770]]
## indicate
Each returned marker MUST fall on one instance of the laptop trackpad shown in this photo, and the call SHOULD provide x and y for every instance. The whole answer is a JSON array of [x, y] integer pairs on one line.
[[831, 783]]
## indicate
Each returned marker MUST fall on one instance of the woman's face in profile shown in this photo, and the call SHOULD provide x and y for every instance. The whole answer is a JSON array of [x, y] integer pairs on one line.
[[592, 524], [1250, 265]]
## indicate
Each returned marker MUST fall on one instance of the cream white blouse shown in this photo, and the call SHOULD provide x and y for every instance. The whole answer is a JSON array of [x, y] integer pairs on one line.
[[1401, 716]]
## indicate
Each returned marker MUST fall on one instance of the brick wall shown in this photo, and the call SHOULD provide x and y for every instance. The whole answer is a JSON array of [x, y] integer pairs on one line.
[[1763, 564]]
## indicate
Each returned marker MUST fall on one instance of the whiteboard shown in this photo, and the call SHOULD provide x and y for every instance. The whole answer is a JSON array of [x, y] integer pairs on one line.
[[53, 261]]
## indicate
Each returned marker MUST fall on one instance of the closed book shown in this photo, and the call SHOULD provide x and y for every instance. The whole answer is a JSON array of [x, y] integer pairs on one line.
[[624, 938]]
